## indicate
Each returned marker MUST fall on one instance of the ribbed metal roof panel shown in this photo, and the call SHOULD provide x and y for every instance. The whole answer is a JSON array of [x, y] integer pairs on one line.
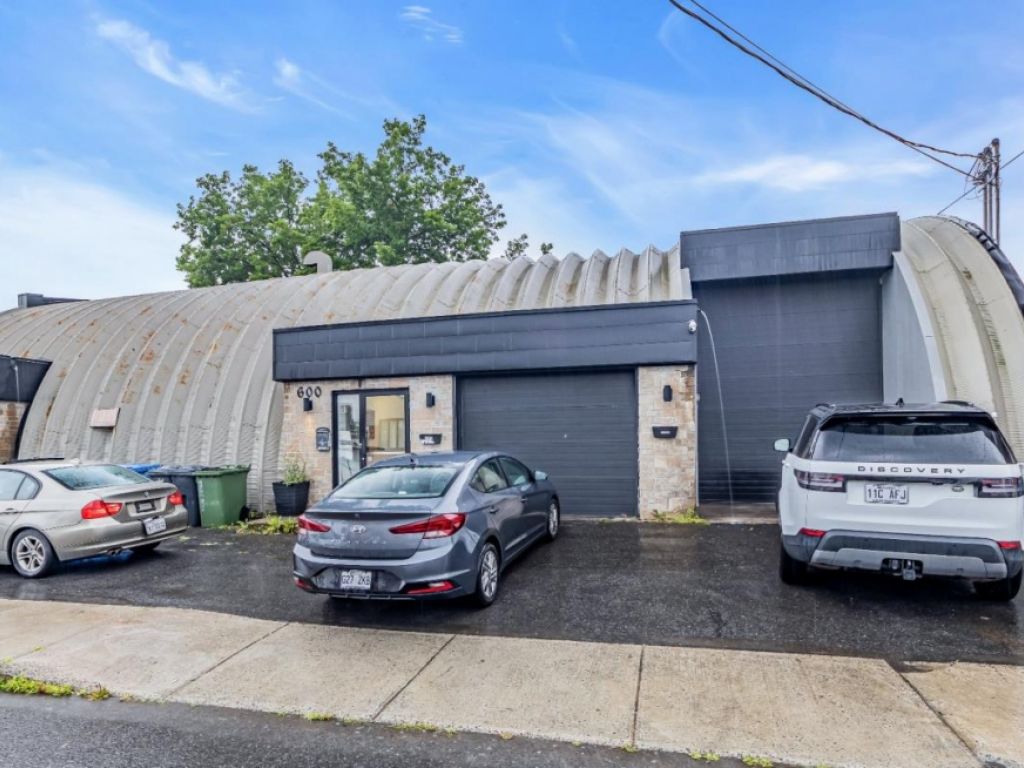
[[191, 370]]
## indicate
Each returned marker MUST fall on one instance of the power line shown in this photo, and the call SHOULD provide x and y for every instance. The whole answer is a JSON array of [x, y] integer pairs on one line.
[[791, 75], [971, 189]]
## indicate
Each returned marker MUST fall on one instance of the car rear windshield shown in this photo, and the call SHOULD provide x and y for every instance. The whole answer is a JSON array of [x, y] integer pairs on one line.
[[398, 482], [924, 439], [95, 476]]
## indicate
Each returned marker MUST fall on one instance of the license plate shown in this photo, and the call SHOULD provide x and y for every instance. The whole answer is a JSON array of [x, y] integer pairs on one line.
[[154, 525], [145, 506], [355, 579], [886, 493]]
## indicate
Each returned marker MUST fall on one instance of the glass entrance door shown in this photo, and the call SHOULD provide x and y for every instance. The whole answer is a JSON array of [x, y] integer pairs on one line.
[[348, 447], [369, 427], [385, 426]]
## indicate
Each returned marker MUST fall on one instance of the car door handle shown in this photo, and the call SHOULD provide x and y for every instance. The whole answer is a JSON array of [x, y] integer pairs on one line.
[[9, 511], [493, 508]]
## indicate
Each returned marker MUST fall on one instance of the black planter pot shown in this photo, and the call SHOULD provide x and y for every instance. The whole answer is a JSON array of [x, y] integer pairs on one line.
[[291, 500]]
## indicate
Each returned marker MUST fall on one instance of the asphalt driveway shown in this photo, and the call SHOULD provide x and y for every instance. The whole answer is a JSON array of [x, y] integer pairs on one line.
[[606, 582]]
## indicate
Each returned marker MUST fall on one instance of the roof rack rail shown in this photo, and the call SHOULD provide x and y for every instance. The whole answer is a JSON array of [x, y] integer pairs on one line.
[[958, 402], [37, 458]]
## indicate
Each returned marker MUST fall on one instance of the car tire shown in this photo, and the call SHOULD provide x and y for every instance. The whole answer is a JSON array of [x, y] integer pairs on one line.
[[1002, 590], [146, 549], [554, 521], [31, 554], [488, 577], [791, 570]]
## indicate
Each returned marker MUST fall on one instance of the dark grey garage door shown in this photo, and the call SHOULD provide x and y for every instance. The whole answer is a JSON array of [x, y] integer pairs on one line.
[[784, 344], [580, 428]]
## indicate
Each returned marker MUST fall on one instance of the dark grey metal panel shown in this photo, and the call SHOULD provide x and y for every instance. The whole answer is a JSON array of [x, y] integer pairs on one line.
[[798, 247], [784, 344], [580, 428], [614, 335], [19, 378]]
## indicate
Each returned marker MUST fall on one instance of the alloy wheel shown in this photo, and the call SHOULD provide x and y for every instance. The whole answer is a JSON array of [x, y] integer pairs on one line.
[[489, 574], [553, 520], [30, 553]]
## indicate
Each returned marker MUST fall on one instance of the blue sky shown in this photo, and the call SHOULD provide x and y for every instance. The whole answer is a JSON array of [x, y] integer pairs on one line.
[[597, 125]]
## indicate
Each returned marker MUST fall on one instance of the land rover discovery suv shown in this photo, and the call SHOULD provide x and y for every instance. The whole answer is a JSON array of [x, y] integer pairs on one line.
[[910, 490]]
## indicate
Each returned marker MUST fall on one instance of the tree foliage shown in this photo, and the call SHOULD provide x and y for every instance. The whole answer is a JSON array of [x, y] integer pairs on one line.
[[406, 204]]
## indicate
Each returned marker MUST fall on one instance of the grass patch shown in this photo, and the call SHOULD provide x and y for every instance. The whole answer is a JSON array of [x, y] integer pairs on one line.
[[268, 526], [705, 757], [679, 517], [26, 686], [416, 728], [318, 717], [95, 694], [631, 748], [757, 762], [352, 721]]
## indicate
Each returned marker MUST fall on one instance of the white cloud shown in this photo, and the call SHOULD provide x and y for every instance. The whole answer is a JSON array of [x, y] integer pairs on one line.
[[799, 173], [547, 211], [63, 236], [292, 78], [422, 18], [155, 57]]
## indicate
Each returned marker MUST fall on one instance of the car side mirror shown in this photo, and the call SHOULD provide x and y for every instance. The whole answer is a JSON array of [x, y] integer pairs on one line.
[[539, 475], [782, 445]]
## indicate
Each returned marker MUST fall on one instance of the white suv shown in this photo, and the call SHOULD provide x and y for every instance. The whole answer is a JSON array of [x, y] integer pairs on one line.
[[911, 490]]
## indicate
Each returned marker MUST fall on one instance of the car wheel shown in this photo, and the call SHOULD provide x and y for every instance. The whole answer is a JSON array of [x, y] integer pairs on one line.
[[145, 549], [554, 520], [32, 555], [791, 570], [488, 577], [1004, 589]]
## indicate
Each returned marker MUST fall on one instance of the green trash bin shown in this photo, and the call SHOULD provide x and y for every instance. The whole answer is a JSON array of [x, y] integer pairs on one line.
[[221, 494]]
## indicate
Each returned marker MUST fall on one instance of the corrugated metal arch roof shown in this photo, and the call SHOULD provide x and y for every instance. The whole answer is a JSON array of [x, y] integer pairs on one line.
[[979, 328], [191, 370]]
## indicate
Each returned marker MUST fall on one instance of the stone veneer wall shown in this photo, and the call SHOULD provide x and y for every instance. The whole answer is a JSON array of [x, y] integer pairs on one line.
[[668, 467], [10, 420], [298, 430]]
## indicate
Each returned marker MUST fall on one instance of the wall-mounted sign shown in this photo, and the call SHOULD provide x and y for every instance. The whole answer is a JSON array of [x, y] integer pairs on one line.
[[430, 439], [665, 433], [323, 439], [308, 392]]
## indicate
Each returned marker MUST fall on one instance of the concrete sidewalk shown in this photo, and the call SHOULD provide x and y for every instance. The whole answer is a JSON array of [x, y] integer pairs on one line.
[[801, 709]]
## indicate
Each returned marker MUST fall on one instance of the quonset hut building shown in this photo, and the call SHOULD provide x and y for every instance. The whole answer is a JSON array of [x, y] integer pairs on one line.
[[640, 382]]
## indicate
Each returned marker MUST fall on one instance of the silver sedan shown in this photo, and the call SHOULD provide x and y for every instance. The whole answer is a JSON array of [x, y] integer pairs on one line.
[[54, 511]]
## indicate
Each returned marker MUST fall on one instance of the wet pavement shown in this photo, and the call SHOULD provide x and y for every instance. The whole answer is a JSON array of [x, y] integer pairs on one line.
[[712, 586], [72, 733]]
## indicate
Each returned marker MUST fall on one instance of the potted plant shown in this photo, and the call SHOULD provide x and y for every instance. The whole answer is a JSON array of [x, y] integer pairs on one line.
[[291, 493]]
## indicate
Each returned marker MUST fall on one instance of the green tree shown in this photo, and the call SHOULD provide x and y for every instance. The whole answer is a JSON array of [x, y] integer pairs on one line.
[[241, 230], [408, 203]]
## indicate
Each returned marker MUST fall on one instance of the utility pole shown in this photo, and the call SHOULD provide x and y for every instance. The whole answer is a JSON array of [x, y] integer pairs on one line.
[[985, 177]]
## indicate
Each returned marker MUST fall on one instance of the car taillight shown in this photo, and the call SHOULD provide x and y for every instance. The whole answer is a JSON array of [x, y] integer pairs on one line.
[[814, 533], [305, 524], [436, 527], [177, 499], [98, 508], [431, 588], [1001, 487], [1008, 545], [821, 481]]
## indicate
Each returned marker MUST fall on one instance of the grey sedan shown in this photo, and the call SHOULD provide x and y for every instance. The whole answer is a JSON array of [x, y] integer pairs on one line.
[[52, 511], [425, 526]]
